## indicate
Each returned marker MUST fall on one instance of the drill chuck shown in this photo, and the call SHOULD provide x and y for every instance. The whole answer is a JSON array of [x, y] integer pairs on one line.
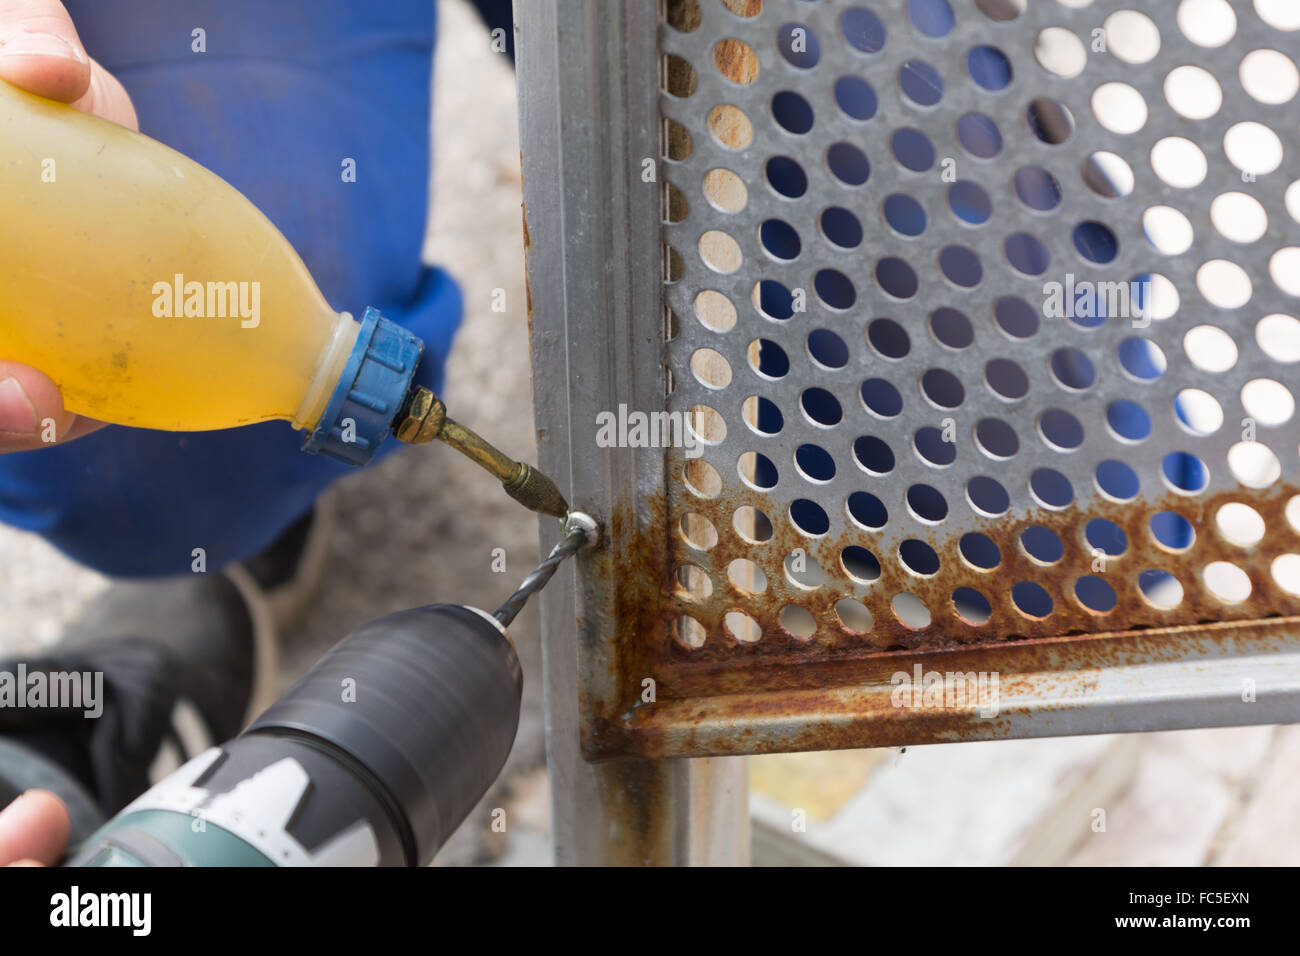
[[373, 758]]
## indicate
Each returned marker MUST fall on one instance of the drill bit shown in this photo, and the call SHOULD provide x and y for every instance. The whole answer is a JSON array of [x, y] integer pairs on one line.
[[580, 531], [425, 418]]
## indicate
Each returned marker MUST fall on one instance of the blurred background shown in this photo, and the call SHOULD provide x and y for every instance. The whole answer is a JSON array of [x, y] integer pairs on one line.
[[428, 525]]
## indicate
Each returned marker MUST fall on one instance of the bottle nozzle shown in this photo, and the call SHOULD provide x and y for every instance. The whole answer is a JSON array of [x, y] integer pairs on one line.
[[424, 418], [535, 491]]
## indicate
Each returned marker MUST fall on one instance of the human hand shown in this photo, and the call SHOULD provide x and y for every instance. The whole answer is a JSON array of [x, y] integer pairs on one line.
[[40, 52], [33, 830]]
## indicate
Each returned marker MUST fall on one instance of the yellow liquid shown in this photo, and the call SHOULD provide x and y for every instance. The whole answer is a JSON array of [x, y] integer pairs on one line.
[[96, 223]]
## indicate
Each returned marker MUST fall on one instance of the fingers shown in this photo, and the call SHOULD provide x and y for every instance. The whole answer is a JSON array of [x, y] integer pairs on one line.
[[34, 830], [41, 53], [40, 50], [107, 97], [32, 413]]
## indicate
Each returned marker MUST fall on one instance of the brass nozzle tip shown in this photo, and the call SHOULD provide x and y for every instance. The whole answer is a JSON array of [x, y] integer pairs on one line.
[[422, 418], [536, 492]]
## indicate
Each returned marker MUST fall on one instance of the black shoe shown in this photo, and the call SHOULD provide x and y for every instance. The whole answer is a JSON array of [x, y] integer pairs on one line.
[[202, 622], [168, 668]]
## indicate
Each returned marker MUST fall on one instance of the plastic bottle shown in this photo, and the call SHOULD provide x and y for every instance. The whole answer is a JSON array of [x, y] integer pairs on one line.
[[155, 295]]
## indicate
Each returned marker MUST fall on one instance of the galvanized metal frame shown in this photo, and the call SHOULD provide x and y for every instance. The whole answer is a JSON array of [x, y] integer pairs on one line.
[[590, 111], [588, 97]]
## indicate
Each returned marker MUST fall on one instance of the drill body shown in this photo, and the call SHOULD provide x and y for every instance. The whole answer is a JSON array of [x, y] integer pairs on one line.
[[372, 759]]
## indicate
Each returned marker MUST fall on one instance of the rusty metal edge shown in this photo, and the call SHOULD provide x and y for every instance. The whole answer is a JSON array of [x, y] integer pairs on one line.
[[1222, 674]]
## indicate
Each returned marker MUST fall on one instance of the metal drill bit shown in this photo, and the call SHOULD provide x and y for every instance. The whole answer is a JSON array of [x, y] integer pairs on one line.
[[425, 418], [580, 530]]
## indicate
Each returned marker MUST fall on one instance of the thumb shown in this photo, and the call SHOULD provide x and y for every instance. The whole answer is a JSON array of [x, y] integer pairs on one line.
[[41, 53], [34, 829], [31, 408], [40, 50]]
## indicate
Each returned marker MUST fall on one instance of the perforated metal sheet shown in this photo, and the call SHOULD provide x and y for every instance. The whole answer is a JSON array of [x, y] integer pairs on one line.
[[713, 620], [928, 428]]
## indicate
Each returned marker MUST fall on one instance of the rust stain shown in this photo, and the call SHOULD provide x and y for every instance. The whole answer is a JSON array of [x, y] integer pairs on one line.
[[744, 8], [855, 709], [718, 697], [642, 618], [1052, 674], [1006, 622], [528, 244], [736, 61], [782, 676]]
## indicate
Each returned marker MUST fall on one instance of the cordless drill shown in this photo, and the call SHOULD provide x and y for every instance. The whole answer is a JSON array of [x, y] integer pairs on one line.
[[372, 759]]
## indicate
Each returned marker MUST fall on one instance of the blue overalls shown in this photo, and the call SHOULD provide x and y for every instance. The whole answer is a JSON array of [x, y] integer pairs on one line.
[[284, 94]]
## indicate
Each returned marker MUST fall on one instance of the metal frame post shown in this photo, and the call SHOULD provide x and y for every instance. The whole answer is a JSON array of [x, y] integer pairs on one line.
[[588, 113]]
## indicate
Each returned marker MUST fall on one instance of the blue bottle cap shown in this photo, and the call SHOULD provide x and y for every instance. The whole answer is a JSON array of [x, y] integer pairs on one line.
[[370, 392]]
